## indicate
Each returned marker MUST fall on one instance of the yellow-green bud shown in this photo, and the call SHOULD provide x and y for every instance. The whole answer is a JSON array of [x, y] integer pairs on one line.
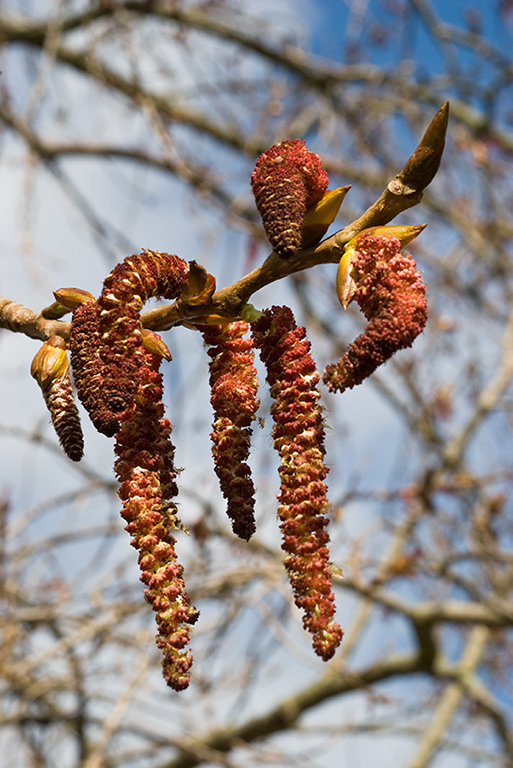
[[318, 218], [405, 234], [72, 297], [152, 342], [50, 362], [249, 313], [345, 284]]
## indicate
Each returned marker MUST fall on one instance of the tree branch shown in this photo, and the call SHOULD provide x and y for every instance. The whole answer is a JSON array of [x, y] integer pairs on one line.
[[451, 697], [403, 192], [288, 712], [17, 318]]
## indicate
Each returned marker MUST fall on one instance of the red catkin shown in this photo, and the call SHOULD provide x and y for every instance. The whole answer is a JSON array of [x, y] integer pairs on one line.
[[146, 472], [299, 439], [391, 295], [106, 339], [233, 386], [65, 418], [130, 284], [288, 180], [85, 344]]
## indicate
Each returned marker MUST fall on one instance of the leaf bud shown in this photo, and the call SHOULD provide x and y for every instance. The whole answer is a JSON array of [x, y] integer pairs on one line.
[[152, 342], [50, 362], [71, 298], [249, 313], [320, 216]]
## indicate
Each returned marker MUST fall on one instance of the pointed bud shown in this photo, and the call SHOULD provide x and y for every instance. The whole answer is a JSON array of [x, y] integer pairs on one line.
[[344, 283], [209, 320], [55, 311], [434, 137], [320, 216], [72, 297], [405, 234], [421, 167], [152, 342]]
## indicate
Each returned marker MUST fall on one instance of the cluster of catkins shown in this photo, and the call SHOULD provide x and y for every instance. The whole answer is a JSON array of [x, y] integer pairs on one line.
[[116, 362]]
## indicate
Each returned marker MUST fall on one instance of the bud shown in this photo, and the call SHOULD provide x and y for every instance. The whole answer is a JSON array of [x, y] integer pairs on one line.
[[55, 311], [71, 298], [404, 233], [199, 287], [249, 313], [319, 217], [421, 167], [50, 361], [207, 320], [50, 369], [344, 283], [152, 342]]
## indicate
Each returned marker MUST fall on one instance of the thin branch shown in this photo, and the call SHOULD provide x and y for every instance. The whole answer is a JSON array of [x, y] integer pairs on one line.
[[199, 177], [403, 192], [475, 689], [19, 319], [493, 614], [314, 70]]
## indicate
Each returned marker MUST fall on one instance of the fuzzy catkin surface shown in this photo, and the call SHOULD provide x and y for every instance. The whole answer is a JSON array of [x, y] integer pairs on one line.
[[298, 435], [288, 180], [391, 295]]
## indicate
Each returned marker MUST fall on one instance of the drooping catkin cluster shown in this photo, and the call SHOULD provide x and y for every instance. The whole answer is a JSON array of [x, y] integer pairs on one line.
[[145, 470], [299, 439], [116, 368], [233, 385], [51, 370], [116, 363], [288, 180], [391, 295]]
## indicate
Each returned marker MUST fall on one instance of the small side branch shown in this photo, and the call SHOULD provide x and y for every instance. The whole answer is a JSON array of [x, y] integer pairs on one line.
[[19, 319]]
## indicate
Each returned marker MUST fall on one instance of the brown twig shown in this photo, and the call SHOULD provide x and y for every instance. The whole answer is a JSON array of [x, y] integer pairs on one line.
[[403, 192]]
